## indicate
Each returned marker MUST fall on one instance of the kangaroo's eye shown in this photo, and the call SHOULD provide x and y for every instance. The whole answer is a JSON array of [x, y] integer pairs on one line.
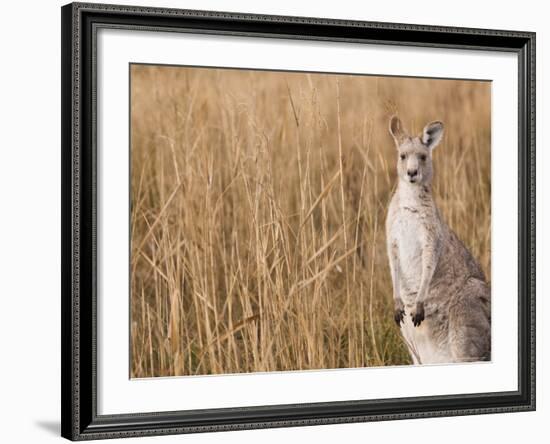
[[422, 157], [402, 156]]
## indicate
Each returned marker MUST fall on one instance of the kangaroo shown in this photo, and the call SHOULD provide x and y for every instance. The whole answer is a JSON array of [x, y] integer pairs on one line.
[[436, 280]]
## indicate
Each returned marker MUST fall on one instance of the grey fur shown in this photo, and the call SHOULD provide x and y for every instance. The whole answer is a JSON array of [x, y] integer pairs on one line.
[[442, 299]]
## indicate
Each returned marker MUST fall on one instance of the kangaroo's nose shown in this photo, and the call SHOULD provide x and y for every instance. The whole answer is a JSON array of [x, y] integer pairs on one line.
[[412, 173]]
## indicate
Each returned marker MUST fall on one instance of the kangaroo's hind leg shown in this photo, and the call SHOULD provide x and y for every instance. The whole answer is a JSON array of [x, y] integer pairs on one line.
[[470, 323]]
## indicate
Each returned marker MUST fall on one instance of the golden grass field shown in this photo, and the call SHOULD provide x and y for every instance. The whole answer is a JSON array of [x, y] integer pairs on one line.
[[258, 203]]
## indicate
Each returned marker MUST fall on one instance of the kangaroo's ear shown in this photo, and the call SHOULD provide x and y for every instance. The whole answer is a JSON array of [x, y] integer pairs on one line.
[[432, 135], [396, 130]]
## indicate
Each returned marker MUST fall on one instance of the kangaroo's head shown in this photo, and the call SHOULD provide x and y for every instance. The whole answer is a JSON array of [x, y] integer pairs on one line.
[[414, 153]]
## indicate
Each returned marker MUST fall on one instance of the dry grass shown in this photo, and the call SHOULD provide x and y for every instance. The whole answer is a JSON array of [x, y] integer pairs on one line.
[[258, 209]]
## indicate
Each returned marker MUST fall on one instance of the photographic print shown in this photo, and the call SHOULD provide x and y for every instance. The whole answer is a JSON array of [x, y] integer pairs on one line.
[[287, 221]]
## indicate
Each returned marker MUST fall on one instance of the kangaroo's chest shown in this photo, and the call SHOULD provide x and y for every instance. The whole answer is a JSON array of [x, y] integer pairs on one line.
[[407, 234]]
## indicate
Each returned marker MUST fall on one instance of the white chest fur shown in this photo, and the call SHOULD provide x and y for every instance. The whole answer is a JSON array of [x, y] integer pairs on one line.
[[407, 233]]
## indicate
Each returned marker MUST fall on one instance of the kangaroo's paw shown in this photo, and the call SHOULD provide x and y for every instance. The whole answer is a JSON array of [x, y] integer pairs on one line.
[[399, 312], [398, 316], [417, 314]]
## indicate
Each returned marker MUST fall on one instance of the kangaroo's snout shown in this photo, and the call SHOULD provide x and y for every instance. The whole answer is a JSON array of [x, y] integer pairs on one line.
[[412, 173]]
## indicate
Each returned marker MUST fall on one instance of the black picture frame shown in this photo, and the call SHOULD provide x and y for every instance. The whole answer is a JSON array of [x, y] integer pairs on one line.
[[80, 420]]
